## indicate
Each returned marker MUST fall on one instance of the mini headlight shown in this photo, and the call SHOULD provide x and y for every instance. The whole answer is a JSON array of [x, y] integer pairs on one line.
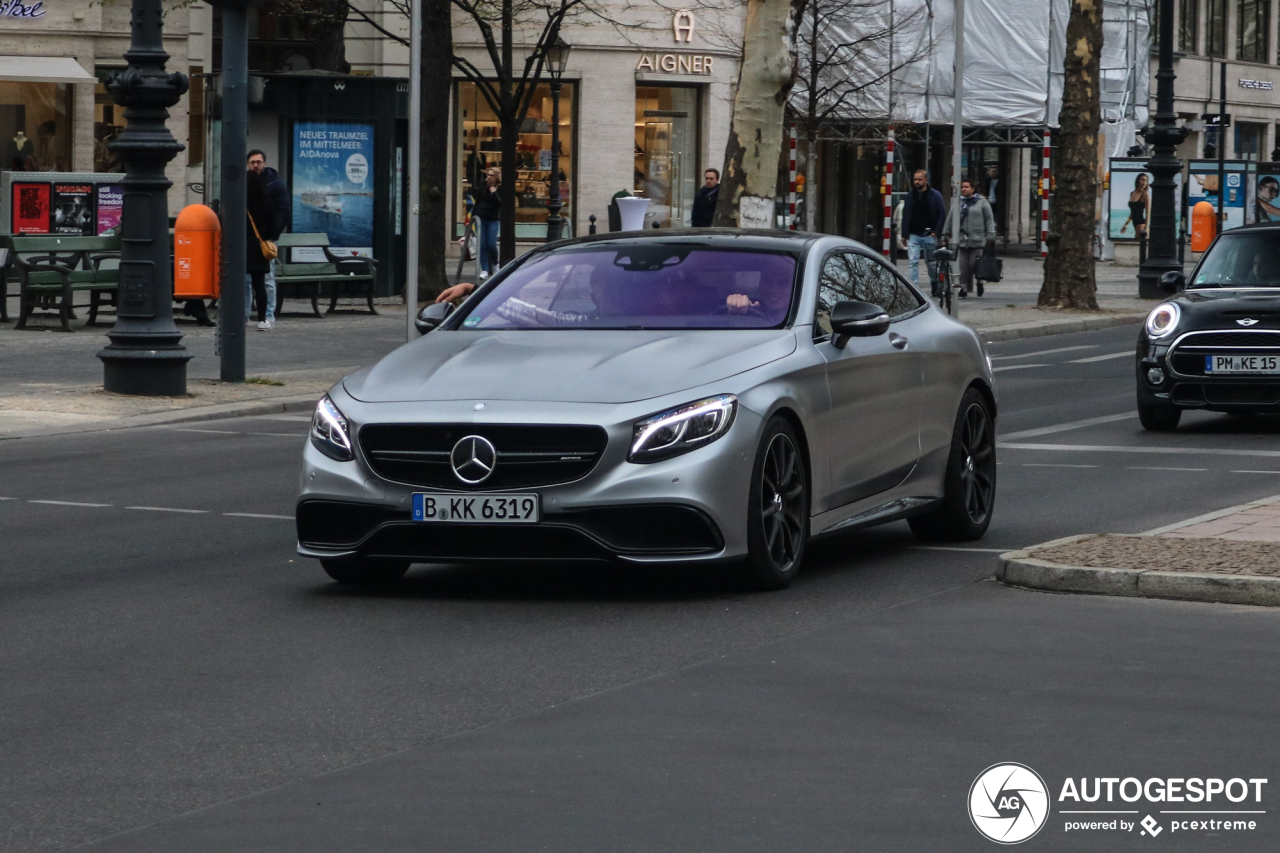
[[1163, 319], [677, 431], [329, 432]]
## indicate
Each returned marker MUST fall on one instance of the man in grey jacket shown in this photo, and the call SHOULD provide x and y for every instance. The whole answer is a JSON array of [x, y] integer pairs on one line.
[[977, 229]]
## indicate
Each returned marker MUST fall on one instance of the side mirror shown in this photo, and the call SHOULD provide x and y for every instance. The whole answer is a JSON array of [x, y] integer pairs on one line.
[[1172, 281], [431, 316], [852, 319]]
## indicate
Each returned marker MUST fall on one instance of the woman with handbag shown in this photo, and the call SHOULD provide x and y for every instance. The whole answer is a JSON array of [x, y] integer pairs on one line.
[[259, 249], [977, 229]]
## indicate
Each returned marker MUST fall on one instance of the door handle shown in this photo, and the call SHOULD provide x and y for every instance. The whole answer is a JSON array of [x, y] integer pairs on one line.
[[898, 341]]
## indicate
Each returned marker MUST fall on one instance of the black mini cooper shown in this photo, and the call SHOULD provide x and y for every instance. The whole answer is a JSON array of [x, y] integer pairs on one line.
[[1216, 344]]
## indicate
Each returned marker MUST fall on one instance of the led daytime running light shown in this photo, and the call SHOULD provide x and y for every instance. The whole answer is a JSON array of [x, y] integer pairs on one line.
[[329, 431], [668, 434]]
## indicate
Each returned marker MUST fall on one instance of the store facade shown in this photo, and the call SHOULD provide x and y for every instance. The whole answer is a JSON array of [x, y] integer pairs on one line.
[[643, 110], [55, 112]]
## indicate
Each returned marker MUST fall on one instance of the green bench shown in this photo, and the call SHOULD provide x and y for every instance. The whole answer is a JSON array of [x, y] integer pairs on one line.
[[340, 276], [53, 268]]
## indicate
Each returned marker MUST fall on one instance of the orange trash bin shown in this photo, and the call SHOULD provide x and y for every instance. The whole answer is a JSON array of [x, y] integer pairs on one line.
[[1204, 226], [197, 253]]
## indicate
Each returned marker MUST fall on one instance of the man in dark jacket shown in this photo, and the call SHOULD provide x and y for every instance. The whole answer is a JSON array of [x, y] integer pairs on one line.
[[923, 215], [282, 209], [704, 203]]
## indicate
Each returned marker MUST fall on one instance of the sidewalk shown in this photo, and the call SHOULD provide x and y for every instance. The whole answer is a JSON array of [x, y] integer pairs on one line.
[[1230, 556], [51, 382]]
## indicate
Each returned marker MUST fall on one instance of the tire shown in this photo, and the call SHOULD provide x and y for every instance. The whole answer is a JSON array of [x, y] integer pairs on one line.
[[777, 510], [969, 490], [1159, 418], [367, 572]]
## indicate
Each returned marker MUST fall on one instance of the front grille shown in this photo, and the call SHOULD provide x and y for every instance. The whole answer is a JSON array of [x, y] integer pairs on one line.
[[1252, 340], [528, 455]]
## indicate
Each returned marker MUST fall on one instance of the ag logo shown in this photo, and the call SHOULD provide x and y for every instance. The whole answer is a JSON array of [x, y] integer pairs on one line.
[[1008, 803]]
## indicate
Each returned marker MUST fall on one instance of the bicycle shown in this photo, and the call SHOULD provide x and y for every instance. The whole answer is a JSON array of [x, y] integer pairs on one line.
[[943, 258]]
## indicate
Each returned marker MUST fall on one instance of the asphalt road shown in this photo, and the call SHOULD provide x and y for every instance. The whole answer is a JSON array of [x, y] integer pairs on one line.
[[173, 677]]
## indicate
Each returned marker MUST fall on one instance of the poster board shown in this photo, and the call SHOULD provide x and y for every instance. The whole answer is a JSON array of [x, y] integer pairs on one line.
[[1241, 184], [84, 203], [333, 187], [1129, 197], [1266, 193]]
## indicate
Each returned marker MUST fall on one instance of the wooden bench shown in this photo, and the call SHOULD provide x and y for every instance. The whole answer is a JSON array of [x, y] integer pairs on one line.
[[342, 276], [52, 268]]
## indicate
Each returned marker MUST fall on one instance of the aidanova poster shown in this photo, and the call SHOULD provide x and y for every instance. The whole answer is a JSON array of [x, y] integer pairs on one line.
[[333, 187]]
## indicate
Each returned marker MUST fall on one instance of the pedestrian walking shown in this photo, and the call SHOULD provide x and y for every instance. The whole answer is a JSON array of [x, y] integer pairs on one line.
[[281, 207], [488, 209], [704, 203], [977, 230], [260, 222], [923, 213]]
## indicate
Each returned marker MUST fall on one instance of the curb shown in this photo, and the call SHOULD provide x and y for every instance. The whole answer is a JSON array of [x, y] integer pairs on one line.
[[1022, 569], [1042, 328], [220, 411]]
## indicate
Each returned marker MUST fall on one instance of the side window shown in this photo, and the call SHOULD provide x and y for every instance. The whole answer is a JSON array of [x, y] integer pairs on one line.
[[836, 283], [877, 284]]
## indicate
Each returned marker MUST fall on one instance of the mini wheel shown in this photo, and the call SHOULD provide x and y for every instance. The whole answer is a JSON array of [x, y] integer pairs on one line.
[[1158, 418]]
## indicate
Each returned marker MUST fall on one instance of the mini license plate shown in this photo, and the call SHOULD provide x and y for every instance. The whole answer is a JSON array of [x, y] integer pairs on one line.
[[1241, 364], [476, 509]]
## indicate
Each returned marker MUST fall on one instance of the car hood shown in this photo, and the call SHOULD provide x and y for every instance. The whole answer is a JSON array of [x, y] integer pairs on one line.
[[1213, 308], [569, 366]]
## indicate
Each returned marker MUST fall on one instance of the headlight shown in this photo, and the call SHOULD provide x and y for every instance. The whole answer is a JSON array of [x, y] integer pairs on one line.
[[329, 432], [1163, 319], [680, 430]]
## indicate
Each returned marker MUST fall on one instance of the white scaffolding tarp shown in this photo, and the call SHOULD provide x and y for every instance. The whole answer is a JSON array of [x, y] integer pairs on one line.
[[1013, 53]]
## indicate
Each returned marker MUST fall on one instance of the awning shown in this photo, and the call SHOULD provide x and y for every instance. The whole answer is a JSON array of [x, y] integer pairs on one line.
[[43, 69]]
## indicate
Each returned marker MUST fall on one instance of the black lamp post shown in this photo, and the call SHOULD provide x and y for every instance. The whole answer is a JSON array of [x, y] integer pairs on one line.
[[1163, 136], [557, 59], [145, 356]]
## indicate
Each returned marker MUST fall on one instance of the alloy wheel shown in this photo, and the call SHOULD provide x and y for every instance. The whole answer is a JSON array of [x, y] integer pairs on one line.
[[977, 472], [782, 502]]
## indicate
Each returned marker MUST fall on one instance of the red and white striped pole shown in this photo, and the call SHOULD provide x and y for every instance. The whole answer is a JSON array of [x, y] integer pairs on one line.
[[791, 187], [887, 189], [1044, 195]]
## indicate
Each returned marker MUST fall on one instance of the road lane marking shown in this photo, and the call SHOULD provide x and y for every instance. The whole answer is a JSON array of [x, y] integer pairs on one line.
[[279, 434], [1055, 465], [1255, 472], [1159, 468], [284, 417], [258, 515], [214, 431], [238, 432], [1101, 357], [1070, 425], [958, 548], [167, 509], [8, 499], [1045, 352], [1112, 448], [1016, 367], [66, 503]]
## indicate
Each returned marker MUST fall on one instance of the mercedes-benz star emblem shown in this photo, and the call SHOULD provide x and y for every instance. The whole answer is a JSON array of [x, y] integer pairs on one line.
[[1248, 321], [473, 459]]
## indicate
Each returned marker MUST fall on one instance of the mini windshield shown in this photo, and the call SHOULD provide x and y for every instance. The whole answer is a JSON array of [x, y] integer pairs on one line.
[[646, 286], [1246, 259]]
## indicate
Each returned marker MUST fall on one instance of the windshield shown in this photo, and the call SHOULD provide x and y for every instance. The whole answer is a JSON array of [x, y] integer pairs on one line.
[[1241, 260], [646, 286]]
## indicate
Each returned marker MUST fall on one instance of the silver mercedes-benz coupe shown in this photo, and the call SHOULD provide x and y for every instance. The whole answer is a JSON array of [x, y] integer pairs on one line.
[[672, 396]]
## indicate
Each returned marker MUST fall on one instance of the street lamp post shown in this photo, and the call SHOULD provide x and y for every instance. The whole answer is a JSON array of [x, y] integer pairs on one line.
[[557, 59], [1163, 136], [145, 356]]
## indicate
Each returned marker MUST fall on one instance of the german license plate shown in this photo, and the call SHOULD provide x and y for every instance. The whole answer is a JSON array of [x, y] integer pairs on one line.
[[1241, 364], [475, 509]]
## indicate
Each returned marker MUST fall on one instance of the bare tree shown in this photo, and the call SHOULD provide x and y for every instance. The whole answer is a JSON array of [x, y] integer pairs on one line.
[[754, 147], [327, 22], [1068, 270], [845, 59]]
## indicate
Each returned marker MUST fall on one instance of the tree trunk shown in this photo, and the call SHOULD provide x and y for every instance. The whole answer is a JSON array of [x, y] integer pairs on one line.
[[1069, 269], [510, 136], [433, 216], [331, 46], [749, 185]]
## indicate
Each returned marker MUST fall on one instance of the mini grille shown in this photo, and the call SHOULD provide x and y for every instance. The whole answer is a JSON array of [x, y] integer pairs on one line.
[[1230, 339], [528, 454]]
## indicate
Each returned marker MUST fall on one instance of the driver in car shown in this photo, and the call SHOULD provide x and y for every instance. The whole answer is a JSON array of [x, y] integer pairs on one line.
[[775, 300]]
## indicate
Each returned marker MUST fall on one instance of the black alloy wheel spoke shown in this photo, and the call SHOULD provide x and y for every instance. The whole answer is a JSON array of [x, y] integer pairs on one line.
[[978, 474], [782, 502]]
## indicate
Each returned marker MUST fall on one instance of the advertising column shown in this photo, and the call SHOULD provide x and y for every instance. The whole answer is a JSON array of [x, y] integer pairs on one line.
[[333, 187]]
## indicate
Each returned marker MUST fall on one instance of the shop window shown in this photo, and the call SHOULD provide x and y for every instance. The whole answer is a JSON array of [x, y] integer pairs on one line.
[[108, 122], [478, 147], [1252, 29], [35, 126], [1249, 138], [1215, 37], [1188, 25], [666, 155]]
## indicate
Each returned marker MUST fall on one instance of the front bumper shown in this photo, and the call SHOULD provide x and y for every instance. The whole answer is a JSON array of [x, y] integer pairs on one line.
[[1185, 388], [692, 507]]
